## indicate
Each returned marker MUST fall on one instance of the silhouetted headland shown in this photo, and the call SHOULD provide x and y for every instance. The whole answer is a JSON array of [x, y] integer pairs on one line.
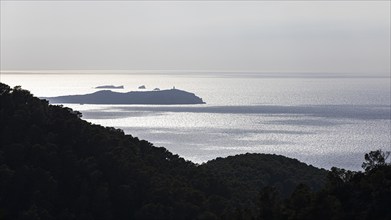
[[109, 87], [162, 97]]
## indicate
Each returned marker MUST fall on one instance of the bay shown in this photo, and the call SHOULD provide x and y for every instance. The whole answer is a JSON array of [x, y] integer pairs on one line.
[[322, 119]]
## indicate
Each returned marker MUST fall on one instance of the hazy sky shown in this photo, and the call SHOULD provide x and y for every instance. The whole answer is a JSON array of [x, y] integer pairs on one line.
[[277, 36]]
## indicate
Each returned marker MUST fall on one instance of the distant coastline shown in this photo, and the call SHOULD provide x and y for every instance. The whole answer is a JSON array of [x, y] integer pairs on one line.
[[109, 87]]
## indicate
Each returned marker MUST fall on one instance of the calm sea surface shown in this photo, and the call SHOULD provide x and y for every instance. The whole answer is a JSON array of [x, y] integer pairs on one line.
[[323, 121]]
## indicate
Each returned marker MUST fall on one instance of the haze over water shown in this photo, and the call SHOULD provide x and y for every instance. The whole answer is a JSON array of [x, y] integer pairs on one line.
[[322, 119]]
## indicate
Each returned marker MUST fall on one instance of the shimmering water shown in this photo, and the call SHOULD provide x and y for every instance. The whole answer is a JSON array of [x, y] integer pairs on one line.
[[325, 120]]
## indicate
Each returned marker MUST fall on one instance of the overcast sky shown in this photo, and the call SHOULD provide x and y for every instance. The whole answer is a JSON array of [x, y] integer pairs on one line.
[[265, 36]]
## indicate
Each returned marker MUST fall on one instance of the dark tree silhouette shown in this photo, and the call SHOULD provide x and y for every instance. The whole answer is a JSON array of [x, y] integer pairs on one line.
[[374, 159]]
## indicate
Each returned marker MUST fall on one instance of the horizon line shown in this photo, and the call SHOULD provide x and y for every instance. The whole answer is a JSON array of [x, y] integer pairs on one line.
[[160, 71]]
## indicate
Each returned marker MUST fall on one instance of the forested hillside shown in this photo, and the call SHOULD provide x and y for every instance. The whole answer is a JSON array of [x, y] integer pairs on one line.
[[54, 165]]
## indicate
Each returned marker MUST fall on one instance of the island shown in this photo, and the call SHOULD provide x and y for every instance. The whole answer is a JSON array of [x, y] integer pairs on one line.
[[161, 97], [109, 87]]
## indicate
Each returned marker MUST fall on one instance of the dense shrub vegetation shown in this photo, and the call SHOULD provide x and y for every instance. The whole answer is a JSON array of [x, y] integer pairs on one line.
[[54, 165]]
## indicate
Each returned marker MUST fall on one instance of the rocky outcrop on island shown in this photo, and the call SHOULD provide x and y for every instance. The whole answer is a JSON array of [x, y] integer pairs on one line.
[[162, 97]]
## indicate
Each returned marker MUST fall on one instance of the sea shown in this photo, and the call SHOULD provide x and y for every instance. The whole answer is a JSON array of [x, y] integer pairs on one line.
[[322, 119]]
